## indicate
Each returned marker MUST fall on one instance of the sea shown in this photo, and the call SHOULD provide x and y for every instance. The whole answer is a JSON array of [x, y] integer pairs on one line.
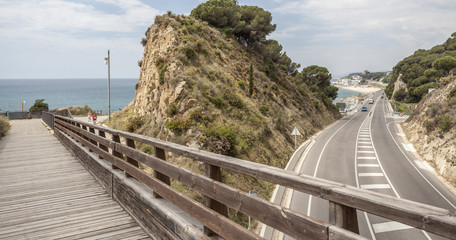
[[59, 93]]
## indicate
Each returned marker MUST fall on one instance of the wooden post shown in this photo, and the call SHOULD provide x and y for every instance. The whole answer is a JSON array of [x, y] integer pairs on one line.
[[92, 130], [343, 216], [160, 153], [105, 148], [116, 139], [215, 173], [131, 143]]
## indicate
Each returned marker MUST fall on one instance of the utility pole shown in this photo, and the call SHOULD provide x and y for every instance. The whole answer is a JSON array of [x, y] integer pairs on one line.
[[108, 62]]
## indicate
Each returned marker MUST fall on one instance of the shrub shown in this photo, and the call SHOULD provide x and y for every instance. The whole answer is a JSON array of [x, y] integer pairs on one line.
[[218, 102], [429, 125], [433, 110], [4, 125], [233, 99], [241, 84], [39, 105], [445, 123], [161, 76], [264, 109], [452, 94], [178, 125], [189, 53], [172, 110], [134, 123], [147, 149], [223, 140]]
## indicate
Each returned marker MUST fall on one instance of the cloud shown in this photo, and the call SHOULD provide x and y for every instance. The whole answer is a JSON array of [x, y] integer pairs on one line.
[[67, 16], [359, 28]]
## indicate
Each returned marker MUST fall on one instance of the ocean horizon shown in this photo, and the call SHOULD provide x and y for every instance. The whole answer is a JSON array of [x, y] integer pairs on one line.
[[60, 93]]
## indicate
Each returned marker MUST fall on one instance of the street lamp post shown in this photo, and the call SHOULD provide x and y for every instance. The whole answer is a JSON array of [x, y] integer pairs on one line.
[[108, 62]]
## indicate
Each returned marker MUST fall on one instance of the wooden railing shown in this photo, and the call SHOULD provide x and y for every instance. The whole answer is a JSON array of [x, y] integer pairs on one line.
[[344, 200]]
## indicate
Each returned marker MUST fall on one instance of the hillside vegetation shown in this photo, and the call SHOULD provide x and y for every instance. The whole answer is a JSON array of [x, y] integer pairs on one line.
[[432, 129], [211, 89], [422, 71]]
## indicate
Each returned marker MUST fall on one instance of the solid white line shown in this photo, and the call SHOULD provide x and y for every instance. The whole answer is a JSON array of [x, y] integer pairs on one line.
[[375, 186], [368, 165], [367, 158], [419, 172], [389, 226], [365, 151], [370, 174], [309, 203]]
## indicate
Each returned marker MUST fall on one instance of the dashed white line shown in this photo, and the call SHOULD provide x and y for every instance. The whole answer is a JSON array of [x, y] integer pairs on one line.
[[368, 165], [370, 174], [366, 152], [365, 147], [376, 186], [367, 158]]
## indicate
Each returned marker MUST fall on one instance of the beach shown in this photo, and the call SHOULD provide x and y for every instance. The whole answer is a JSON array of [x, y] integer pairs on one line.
[[363, 89]]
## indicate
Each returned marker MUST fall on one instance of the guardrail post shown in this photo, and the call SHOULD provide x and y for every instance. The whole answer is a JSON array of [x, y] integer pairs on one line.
[[215, 173], [131, 143], [103, 147], [160, 153], [343, 216], [116, 139]]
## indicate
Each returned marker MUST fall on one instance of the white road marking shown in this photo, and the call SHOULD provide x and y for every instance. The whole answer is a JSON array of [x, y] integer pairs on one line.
[[370, 174], [389, 226], [368, 165], [365, 139], [365, 142], [366, 158], [375, 186], [409, 147], [401, 134], [366, 152], [365, 147]]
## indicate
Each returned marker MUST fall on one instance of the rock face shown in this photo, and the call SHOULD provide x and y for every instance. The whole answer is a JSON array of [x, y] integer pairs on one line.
[[432, 129], [194, 90], [399, 84]]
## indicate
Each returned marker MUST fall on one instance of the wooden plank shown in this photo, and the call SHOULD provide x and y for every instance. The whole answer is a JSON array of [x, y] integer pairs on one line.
[[44, 196], [214, 173], [133, 162], [160, 154]]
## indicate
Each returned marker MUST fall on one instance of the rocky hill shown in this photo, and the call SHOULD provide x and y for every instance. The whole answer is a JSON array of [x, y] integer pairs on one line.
[[432, 128], [204, 90]]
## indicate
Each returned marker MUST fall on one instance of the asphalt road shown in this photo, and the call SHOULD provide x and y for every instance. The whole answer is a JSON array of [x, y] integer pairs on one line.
[[365, 150]]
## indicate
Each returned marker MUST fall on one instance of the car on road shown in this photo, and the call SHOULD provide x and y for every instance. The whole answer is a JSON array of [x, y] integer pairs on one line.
[[364, 109], [370, 101]]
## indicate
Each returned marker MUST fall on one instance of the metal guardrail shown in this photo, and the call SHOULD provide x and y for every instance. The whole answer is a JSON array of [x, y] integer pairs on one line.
[[343, 200]]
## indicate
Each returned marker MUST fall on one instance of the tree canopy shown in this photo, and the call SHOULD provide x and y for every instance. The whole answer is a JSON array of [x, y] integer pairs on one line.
[[319, 80], [249, 24], [39, 105], [424, 67]]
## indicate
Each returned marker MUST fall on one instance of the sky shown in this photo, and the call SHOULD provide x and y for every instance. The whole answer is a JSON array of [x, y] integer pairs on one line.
[[70, 38]]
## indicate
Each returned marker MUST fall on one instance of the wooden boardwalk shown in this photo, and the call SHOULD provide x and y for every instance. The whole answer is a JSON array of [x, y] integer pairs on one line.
[[45, 193]]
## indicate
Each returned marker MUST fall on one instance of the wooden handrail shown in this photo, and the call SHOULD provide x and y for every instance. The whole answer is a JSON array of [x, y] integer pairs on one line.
[[343, 199]]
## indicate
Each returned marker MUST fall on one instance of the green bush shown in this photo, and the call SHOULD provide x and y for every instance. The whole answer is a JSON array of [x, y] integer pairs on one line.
[[400, 95], [178, 125], [134, 123], [434, 110], [172, 110], [218, 102], [452, 94], [241, 84], [147, 149], [264, 109], [429, 125], [445, 123], [39, 105], [189, 53], [4, 125]]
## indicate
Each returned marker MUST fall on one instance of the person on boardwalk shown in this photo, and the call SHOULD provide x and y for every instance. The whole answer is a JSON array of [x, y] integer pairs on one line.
[[94, 118], [89, 115]]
